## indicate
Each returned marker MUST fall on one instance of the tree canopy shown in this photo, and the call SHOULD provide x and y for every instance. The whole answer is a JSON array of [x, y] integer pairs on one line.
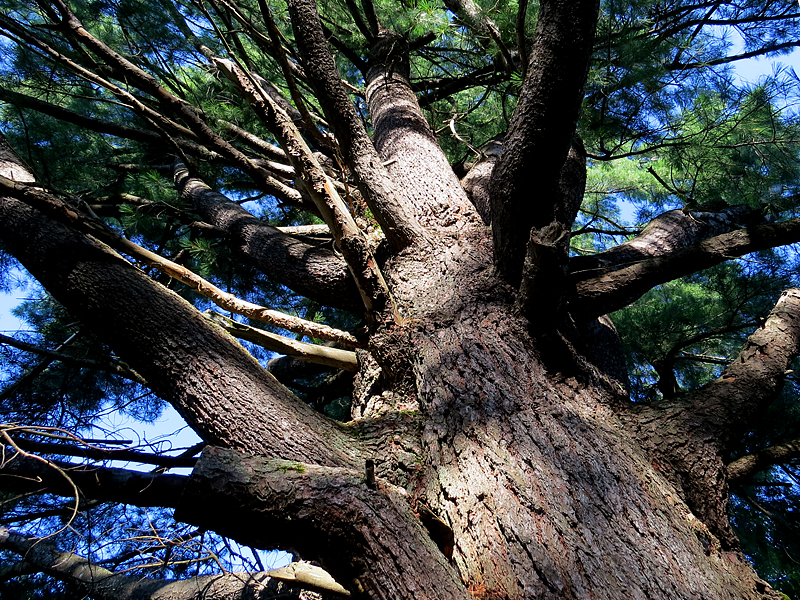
[[310, 179]]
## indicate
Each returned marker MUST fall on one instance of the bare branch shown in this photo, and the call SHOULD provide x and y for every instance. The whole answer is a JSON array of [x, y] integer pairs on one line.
[[22, 474], [94, 453], [103, 584], [331, 357], [111, 367], [350, 239]]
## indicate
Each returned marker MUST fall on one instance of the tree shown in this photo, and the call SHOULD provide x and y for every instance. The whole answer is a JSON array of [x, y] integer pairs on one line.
[[292, 156]]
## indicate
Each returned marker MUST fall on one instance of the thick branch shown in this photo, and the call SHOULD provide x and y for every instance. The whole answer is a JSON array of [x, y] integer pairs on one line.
[[405, 142], [666, 233], [312, 270], [216, 386], [336, 518], [693, 432], [758, 461], [377, 187], [525, 179], [614, 290]]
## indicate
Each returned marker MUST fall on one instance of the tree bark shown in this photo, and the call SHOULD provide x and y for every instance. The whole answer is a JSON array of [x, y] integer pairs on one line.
[[310, 269], [524, 186], [216, 386]]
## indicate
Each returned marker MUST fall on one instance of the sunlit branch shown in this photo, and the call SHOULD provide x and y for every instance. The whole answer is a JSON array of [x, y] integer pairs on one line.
[[221, 298], [474, 17], [148, 84], [349, 238], [606, 293], [323, 355], [321, 139]]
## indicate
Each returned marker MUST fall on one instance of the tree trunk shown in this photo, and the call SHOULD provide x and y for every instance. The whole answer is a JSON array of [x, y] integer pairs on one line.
[[523, 454]]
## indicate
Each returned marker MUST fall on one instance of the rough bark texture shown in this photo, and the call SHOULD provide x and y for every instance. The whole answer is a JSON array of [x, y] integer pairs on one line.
[[306, 266], [616, 289], [405, 141], [524, 187], [211, 380], [377, 187], [524, 457], [365, 535]]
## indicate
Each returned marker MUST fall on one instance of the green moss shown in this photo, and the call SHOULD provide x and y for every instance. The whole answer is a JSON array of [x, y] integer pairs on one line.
[[297, 467]]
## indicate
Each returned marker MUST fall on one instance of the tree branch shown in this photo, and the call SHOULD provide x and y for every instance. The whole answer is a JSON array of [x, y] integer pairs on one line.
[[314, 271], [22, 474], [94, 453], [693, 432], [133, 75], [351, 241], [216, 386], [323, 355], [403, 138], [336, 518], [614, 290], [668, 232], [109, 367], [525, 178], [377, 187], [474, 17], [102, 584], [758, 461]]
